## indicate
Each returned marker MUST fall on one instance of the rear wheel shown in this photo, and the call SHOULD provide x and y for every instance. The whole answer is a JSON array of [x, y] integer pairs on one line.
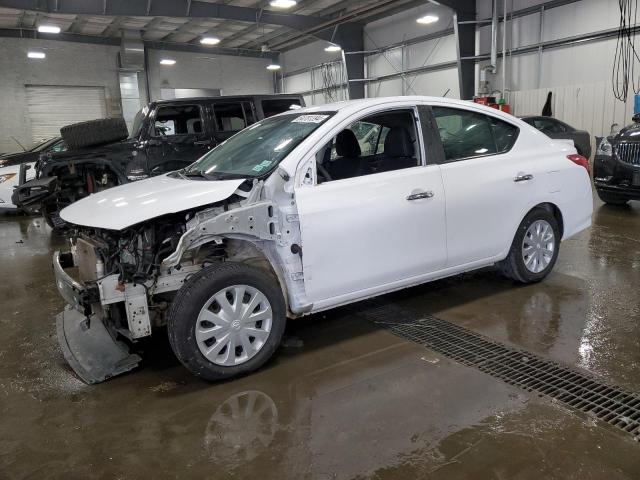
[[226, 321], [534, 250], [611, 198]]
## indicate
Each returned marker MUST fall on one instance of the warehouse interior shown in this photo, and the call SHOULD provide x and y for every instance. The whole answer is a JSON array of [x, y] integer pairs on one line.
[[506, 380]]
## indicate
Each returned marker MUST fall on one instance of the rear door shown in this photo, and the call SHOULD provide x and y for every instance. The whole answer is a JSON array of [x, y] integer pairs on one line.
[[178, 137], [487, 187]]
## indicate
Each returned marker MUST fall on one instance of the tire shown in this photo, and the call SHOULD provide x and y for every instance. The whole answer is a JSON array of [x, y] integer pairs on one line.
[[611, 198], [190, 313], [514, 266], [94, 132]]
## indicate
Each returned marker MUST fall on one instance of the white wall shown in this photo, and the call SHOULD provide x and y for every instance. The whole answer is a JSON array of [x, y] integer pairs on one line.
[[232, 75], [66, 64], [381, 33], [579, 75]]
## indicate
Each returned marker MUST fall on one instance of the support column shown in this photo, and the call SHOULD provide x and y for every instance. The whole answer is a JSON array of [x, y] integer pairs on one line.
[[350, 36]]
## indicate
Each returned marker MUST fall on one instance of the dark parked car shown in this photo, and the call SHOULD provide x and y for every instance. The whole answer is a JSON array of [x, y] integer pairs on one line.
[[31, 155], [616, 167], [166, 135], [554, 128]]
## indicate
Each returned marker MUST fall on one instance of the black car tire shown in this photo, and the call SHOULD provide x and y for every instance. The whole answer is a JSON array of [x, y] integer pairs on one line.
[[513, 266], [94, 132], [611, 198], [184, 314]]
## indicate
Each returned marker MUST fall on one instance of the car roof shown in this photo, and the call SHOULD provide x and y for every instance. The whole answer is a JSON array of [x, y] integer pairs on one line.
[[351, 106], [226, 98]]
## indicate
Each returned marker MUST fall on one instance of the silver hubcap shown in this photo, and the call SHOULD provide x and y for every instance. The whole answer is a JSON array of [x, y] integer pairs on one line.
[[538, 246], [234, 325]]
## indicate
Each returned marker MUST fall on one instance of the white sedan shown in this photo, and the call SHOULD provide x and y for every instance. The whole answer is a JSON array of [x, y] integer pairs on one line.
[[9, 177], [309, 210]]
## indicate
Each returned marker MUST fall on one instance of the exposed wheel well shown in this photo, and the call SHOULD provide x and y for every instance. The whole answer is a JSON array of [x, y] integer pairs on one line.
[[555, 211]]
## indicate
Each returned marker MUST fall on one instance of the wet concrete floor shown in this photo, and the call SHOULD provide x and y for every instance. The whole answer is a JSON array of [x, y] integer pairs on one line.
[[351, 402]]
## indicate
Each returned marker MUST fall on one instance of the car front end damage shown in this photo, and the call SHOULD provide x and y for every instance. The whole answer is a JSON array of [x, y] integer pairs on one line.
[[119, 284]]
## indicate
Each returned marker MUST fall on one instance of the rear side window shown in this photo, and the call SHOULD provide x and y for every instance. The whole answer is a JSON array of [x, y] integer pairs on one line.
[[233, 116], [467, 134], [177, 120], [274, 106]]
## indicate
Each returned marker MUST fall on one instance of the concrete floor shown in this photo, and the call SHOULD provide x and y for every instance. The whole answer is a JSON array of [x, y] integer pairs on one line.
[[351, 402]]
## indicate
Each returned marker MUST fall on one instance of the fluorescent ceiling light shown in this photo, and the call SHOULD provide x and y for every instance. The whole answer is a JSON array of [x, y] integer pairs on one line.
[[283, 3], [427, 19], [209, 41], [273, 67], [36, 54], [333, 48], [48, 29], [167, 61]]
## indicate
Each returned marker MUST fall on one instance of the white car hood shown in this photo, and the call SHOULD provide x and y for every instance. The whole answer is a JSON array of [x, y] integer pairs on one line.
[[126, 205]]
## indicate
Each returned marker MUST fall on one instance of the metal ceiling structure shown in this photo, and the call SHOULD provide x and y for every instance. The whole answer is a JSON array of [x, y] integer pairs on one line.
[[241, 25]]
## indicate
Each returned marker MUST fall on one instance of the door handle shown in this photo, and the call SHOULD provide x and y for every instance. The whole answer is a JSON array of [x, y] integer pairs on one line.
[[523, 178], [420, 195], [202, 142]]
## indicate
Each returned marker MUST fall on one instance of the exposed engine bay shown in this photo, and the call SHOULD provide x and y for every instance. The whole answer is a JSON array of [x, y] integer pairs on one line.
[[121, 283]]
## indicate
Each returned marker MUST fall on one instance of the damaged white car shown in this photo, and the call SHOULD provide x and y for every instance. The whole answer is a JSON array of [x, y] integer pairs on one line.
[[303, 212]]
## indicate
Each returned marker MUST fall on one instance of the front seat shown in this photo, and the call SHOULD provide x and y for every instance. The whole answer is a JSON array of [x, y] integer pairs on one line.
[[398, 150], [349, 163]]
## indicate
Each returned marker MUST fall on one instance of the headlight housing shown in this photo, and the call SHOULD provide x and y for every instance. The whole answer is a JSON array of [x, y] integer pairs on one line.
[[6, 177], [605, 148]]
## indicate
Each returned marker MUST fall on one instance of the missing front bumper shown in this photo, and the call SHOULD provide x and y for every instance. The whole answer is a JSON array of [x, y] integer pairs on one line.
[[90, 350]]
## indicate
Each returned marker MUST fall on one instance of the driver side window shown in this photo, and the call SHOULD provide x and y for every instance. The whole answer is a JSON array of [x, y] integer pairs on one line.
[[378, 143]]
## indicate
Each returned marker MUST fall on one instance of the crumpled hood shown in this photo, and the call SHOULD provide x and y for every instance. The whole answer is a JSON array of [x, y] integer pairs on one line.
[[123, 206]]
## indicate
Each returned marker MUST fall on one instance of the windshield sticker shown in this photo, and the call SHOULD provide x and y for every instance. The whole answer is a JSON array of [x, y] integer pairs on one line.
[[262, 166], [310, 119]]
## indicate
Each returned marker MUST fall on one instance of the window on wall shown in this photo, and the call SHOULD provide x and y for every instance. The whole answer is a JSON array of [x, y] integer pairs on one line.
[[467, 134], [233, 116], [177, 120]]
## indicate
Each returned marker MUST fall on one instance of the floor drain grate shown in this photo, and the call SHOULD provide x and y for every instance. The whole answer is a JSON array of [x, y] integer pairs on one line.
[[516, 367]]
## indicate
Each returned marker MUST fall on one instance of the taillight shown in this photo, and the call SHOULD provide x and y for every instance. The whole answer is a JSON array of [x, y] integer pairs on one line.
[[580, 160]]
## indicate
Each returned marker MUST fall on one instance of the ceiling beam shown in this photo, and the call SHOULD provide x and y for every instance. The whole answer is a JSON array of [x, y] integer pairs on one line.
[[166, 8]]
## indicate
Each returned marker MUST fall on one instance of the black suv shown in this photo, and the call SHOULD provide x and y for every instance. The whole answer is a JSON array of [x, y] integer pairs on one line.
[[166, 135], [616, 167]]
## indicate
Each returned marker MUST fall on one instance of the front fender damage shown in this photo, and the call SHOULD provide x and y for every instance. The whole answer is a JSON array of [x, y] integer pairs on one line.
[[270, 228]]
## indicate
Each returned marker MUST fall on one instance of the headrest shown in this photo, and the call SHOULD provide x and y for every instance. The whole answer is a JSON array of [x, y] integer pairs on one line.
[[398, 143], [347, 144]]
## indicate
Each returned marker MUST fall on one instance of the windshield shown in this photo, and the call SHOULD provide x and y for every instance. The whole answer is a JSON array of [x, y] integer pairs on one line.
[[257, 150], [138, 121]]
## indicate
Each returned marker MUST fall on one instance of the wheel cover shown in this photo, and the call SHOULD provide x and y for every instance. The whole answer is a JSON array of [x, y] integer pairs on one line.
[[538, 246], [234, 325]]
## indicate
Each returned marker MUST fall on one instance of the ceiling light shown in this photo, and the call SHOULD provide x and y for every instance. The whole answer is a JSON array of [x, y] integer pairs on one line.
[[36, 54], [333, 48], [167, 61], [48, 29], [427, 19], [273, 67], [283, 3], [209, 41]]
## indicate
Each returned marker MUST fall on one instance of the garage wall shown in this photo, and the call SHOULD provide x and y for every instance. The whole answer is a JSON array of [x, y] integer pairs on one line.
[[66, 64], [579, 75], [303, 71], [232, 75]]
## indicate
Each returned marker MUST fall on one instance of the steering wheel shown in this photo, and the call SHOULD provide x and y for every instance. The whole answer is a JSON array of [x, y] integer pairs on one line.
[[322, 172]]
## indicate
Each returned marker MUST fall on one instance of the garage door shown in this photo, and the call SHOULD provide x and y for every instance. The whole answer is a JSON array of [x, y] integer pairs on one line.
[[53, 107]]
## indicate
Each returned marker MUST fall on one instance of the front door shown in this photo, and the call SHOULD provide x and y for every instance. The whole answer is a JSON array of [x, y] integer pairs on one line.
[[178, 137], [379, 219]]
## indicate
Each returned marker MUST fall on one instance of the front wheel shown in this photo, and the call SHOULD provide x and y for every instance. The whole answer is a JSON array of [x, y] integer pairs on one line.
[[534, 250], [226, 321]]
